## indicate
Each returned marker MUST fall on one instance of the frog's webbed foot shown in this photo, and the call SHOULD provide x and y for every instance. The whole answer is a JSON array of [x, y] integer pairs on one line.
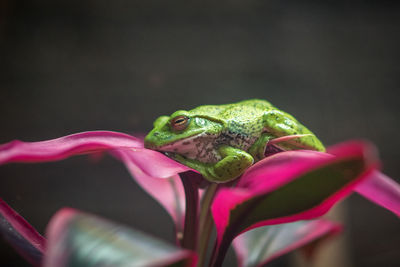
[[233, 163]]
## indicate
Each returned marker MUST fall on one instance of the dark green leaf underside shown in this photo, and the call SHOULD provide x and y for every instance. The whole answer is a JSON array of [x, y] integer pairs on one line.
[[302, 194]]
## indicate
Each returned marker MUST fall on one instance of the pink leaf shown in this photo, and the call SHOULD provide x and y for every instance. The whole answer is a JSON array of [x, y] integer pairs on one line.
[[151, 162], [382, 190], [146, 166], [63, 147], [168, 191], [259, 246], [291, 186], [21, 235]]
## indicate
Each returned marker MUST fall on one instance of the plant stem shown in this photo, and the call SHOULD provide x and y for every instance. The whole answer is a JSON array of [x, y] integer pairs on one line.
[[192, 203], [219, 253], [205, 226], [204, 239]]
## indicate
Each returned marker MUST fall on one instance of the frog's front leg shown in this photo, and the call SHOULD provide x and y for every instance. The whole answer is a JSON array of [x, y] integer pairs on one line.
[[233, 163], [257, 150]]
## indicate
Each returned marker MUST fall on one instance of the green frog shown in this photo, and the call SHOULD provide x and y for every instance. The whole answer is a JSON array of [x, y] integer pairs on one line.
[[222, 141]]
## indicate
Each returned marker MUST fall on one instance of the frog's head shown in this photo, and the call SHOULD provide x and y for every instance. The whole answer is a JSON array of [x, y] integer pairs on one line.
[[180, 132]]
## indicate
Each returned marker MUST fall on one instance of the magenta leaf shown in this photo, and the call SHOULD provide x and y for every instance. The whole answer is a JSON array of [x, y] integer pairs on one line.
[[168, 191], [78, 239], [381, 190], [63, 147], [21, 235], [264, 244], [290, 186], [146, 166], [151, 162]]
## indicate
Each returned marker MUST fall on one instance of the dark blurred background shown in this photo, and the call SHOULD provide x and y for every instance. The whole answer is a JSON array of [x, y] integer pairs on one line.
[[70, 66]]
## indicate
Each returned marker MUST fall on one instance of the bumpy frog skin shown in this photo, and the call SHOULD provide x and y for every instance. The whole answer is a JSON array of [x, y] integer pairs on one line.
[[222, 141]]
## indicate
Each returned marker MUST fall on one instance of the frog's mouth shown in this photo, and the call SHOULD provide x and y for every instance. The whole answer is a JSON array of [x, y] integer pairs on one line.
[[187, 147], [178, 146]]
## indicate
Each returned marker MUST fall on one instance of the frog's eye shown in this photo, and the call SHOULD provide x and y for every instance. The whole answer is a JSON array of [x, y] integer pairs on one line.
[[180, 123]]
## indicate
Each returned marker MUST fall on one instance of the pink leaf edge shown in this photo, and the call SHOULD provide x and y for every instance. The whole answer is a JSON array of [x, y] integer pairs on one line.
[[23, 228]]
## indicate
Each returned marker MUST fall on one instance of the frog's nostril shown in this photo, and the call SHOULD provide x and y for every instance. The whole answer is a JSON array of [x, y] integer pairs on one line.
[[156, 134]]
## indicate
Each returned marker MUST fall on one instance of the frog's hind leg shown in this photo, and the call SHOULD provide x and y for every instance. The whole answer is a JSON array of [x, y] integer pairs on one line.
[[279, 123]]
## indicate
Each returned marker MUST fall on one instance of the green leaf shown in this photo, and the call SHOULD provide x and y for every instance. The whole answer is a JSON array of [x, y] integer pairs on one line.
[[77, 239], [261, 245]]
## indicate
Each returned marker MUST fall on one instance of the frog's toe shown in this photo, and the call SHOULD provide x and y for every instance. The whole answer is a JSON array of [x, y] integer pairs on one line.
[[219, 175]]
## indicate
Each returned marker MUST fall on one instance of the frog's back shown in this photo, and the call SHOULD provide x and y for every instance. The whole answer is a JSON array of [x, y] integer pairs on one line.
[[242, 110], [246, 110]]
